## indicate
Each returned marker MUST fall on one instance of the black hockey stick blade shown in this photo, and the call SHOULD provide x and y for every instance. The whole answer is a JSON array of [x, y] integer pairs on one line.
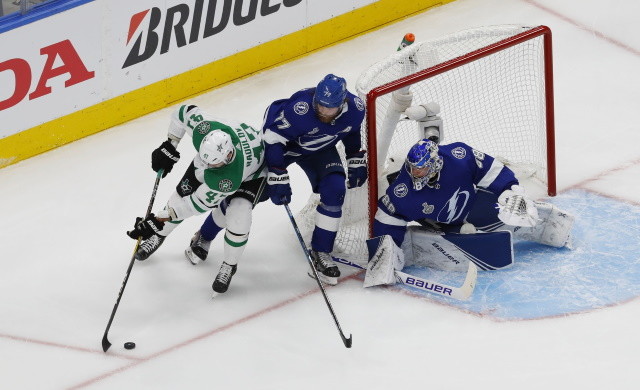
[[106, 344], [347, 341]]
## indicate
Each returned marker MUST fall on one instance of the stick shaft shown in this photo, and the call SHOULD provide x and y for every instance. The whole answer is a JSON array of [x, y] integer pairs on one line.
[[105, 340], [345, 340]]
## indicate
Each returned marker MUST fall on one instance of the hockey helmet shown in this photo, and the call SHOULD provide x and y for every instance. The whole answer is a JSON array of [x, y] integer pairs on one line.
[[331, 91], [424, 164], [217, 149]]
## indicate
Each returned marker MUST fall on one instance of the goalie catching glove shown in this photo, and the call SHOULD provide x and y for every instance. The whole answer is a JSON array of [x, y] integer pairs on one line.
[[146, 228], [356, 169], [164, 157], [515, 209]]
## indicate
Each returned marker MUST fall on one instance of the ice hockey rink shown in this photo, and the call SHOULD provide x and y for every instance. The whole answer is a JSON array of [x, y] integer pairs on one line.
[[557, 319]]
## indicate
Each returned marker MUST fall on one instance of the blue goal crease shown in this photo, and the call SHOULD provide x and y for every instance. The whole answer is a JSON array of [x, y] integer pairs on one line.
[[602, 269]]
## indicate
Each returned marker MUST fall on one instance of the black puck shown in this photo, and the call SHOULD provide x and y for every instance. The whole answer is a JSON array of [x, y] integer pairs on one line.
[[129, 345]]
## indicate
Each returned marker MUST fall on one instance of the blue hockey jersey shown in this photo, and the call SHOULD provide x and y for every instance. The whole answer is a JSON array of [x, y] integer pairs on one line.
[[292, 130], [449, 200]]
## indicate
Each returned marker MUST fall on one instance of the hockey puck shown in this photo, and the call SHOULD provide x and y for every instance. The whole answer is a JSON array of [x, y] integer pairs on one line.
[[129, 345]]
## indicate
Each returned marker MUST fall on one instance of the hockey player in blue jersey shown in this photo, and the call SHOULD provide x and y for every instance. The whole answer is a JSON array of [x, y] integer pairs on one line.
[[439, 185], [456, 189], [304, 129]]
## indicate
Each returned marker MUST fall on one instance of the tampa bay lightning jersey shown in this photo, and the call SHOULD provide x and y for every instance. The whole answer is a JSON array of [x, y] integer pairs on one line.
[[292, 130], [450, 199]]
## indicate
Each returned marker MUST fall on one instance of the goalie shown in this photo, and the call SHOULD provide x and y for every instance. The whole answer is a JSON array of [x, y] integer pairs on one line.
[[455, 189]]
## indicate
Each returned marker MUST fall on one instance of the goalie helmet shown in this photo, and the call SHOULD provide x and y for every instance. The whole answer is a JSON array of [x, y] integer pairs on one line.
[[423, 164], [217, 149]]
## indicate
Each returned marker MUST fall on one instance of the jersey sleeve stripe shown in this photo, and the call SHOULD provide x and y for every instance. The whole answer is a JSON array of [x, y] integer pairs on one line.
[[383, 217], [491, 175], [272, 137]]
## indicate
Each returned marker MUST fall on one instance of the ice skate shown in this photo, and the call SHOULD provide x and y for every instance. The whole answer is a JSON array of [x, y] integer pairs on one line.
[[327, 269], [148, 246], [198, 249], [221, 284]]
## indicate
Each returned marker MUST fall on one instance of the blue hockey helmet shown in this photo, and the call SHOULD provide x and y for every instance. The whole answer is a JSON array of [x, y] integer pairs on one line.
[[424, 164], [331, 91]]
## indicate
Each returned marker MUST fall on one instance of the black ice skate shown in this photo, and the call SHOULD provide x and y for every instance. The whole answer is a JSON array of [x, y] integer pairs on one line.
[[221, 284], [327, 269], [198, 249], [148, 246]]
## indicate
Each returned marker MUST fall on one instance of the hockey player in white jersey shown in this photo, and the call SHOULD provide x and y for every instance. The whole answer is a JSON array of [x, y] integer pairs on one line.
[[226, 177]]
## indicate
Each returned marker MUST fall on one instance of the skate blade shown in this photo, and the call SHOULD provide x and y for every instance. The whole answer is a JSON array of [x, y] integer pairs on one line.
[[192, 257], [324, 278]]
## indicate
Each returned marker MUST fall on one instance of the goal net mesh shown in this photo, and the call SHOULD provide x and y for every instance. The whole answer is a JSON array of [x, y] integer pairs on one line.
[[492, 99]]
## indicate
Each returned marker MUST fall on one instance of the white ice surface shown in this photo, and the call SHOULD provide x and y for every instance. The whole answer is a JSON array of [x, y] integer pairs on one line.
[[63, 251]]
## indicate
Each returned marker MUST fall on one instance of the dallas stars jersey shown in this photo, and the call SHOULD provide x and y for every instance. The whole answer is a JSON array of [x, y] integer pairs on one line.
[[215, 183]]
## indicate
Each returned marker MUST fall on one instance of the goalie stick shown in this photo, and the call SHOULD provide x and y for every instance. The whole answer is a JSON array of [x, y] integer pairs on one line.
[[105, 340], [463, 292]]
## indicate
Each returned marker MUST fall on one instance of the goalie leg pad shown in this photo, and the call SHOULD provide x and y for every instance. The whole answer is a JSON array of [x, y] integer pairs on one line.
[[453, 251], [384, 259], [553, 229]]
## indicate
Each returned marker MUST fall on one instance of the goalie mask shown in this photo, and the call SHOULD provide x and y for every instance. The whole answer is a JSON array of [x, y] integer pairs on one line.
[[423, 164], [217, 149]]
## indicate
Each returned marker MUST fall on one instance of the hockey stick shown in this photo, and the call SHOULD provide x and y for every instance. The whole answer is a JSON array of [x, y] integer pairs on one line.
[[462, 293], [346, 341], [105, 340]]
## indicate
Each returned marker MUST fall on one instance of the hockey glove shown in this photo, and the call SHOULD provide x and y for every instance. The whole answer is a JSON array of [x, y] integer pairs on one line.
[[146, 228], [279, 188], [357, 169], [515, 209], [164, 157]]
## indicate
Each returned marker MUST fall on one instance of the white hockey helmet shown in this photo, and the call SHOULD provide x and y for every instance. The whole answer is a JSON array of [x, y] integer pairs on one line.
[[217, 149]]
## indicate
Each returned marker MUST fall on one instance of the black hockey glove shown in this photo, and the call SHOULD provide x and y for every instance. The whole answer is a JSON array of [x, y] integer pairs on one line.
[[278, 186], [145, 228], [357, 169], [164, 157]]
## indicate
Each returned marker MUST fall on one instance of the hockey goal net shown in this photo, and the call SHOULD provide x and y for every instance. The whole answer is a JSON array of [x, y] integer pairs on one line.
[[495, 89]]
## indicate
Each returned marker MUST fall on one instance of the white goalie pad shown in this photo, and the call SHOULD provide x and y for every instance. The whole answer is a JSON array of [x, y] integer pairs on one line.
[[553, 229], [384, 259]]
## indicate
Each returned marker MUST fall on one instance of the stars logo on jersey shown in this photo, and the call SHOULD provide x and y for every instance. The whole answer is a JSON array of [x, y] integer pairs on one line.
[[359, 103], [459, 153], [427, 208], [203, 127], [301, 108], [186, 187], [225, 185], [401, 190]]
